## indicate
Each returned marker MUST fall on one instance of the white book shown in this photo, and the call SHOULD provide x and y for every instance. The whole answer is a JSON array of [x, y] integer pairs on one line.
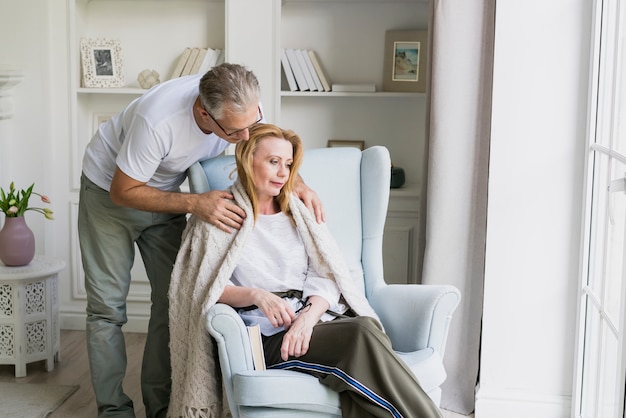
[[291, 80], [297, 70], [181, 63], [208, 62], [354, 87], [199, 59], [220, 57], [189, 64], [305, 69], [312, 71], [320, 72], [256, 344]]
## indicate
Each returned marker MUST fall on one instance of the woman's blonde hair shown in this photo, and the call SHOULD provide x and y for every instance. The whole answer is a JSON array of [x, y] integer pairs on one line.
[[244, 153]]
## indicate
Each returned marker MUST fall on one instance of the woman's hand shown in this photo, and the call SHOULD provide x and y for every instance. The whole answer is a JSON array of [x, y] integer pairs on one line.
[[275, 309], [296, 340], [298, 337]]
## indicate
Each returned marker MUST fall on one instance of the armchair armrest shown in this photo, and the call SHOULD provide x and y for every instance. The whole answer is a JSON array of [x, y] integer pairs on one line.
[[416, 316], [231, 335]]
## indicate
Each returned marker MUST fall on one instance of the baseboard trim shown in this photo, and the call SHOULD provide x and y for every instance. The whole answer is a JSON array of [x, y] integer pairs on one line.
[[519, 404]]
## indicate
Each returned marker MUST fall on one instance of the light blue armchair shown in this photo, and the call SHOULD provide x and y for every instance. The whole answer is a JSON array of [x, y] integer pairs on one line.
[[354, 187]]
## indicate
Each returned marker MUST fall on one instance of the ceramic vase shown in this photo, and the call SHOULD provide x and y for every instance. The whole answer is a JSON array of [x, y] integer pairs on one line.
[[17, 242]]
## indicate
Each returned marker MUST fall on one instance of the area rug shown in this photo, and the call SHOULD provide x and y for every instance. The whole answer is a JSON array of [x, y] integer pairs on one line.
[[29, 400]]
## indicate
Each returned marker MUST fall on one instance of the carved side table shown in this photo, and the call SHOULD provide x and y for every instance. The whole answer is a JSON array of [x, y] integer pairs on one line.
[[29, 313]]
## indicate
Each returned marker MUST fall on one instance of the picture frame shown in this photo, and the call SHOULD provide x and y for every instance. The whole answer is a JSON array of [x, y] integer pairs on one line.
[[99, 118], [102, 63], [332, 143], [405, 61]]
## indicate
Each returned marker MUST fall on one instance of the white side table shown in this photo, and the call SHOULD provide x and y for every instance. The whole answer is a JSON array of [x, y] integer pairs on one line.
[[29, 313]]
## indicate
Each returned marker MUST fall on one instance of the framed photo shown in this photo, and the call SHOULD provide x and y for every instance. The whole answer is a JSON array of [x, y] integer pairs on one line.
[[101, 63], [346, 143], [405, 60]]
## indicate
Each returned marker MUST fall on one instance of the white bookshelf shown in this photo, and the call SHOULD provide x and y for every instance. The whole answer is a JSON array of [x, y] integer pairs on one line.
[[152, 34], [348, 37]]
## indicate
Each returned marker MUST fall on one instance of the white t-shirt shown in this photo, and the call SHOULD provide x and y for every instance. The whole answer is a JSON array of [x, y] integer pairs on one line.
[[154, 140], [275, 259]]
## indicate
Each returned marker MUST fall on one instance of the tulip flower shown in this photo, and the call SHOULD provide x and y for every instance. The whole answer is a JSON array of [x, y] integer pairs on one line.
[[15, 202]]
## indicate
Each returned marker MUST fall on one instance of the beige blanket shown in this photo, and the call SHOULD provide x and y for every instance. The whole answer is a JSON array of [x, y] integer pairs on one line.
[[204, 265]]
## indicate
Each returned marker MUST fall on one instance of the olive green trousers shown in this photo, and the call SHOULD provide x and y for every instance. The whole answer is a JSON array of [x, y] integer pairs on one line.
[[354, 357]]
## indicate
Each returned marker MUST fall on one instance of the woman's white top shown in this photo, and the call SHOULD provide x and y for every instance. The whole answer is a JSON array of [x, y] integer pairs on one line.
[[275, 259]]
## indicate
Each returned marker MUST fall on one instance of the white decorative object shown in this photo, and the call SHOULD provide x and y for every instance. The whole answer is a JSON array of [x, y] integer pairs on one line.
[[148, 78], [9, 78], [29, 313], [354, 87], [102, 63]]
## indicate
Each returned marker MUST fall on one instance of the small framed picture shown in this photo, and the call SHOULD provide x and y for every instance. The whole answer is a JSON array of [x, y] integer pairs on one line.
[[405, 61], [346, 143], [102, 63], [99, 119]]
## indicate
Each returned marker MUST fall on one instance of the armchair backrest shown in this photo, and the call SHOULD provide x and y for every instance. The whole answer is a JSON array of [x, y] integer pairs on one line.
[[354, 188]]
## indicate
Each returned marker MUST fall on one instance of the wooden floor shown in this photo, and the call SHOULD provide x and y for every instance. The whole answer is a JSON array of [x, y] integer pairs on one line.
[[73, 369]]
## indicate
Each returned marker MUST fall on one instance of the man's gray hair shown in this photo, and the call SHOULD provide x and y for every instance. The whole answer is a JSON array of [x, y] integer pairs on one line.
[[230, 86]]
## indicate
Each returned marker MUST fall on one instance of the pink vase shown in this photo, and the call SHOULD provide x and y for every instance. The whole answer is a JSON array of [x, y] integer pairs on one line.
[[17, 242]]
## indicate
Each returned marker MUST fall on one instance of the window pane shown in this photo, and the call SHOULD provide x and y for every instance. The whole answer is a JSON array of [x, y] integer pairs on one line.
[[601, 397], [606, 73], [615, 246], [599, 222], [620, 91], [591, 361], [600, 384], [609, 374]]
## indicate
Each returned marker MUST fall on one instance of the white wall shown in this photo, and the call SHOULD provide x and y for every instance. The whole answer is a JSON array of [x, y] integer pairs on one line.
[[534, 208], [25, 138], [35, 144]]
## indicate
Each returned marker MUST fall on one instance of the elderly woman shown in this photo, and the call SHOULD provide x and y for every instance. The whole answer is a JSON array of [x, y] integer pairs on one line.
[[283, 271]]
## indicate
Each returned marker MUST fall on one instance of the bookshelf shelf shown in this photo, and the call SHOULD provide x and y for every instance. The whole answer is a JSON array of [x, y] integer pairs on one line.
[[379, 94], [360, 1], [121, 90]]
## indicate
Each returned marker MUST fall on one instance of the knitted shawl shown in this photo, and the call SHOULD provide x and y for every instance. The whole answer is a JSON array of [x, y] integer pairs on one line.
[[204, 265]]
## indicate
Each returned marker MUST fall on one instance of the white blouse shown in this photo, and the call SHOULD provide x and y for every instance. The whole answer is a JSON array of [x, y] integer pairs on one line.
[[275, 259]]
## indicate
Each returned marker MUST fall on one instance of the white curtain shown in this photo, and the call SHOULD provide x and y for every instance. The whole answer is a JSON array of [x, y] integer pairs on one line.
[[458, 123]]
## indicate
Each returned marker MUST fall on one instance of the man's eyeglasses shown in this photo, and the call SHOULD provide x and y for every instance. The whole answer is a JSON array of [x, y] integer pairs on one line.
[[238, 130]]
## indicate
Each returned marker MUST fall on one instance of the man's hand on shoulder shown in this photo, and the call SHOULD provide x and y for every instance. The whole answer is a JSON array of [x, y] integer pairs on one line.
[[219, 208], [216, 207], [310, 199]]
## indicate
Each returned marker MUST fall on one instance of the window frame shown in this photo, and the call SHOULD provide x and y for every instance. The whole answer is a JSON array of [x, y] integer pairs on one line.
[[602, 129]]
